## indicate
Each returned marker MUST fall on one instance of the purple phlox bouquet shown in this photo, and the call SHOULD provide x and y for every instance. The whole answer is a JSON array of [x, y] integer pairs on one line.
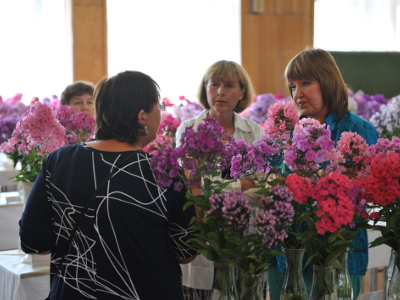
[[387, 119], [367, 105], [311, 148], [258, 111], [36, 134], [187, 109], [79, 126], [165, 134]]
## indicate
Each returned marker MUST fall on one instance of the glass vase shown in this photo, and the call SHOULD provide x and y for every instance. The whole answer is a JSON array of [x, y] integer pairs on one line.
[[324, 283], [394, 287], [293, 286], [224, 285], [344, 285], [389, 270], [252, 287]]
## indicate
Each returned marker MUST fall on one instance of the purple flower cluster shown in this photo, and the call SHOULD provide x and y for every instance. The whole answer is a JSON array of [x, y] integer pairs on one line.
[[231, 208], [367, 105], [258, 111], [201, 151], [387, 119], [188, 111], [276, 213], [11, 110], [312, 145], [254, 158]]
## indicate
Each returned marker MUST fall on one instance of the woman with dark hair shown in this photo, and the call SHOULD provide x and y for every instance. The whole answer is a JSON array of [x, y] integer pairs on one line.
[[131, 238], [319, 92], [225, 91], [79, 95]]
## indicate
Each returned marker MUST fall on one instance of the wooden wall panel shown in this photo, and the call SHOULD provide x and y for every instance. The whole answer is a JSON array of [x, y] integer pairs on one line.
[[89, 27], [271, 38]]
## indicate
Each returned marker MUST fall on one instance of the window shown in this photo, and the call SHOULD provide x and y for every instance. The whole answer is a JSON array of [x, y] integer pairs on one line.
[[172, 41]]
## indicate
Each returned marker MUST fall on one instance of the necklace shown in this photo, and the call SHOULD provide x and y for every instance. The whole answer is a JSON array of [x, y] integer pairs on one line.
[[137, 146], [225, 134]]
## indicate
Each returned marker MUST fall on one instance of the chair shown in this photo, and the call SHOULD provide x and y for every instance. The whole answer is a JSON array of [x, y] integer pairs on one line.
[[376, 295]]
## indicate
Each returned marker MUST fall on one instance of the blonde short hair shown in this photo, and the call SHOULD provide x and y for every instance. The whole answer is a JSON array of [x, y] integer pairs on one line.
[[228, 71], [319, 65]]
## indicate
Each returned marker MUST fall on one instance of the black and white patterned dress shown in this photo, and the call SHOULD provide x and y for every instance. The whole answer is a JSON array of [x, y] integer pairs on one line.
[[129, 241]]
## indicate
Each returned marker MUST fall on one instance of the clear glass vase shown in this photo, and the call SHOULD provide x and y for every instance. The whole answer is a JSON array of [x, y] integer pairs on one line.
[[293, 286], [324, 283], [344, 285], [252, 287], [224, 285], [394, 287], [389, 270]]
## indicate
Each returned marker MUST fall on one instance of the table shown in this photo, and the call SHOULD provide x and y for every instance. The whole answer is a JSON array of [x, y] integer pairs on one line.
[[10, 212], [20, 281]]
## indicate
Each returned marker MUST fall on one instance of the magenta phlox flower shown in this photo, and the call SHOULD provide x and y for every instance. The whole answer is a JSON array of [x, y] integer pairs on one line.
[[282, 117], [231, 208], [165, 166]]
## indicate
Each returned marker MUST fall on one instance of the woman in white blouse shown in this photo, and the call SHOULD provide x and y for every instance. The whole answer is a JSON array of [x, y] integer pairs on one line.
[[225, 91]]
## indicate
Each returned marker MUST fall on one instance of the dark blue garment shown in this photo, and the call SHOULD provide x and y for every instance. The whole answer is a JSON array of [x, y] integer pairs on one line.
[[357, 258]]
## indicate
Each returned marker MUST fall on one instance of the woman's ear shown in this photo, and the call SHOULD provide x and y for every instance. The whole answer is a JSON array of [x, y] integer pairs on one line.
[[142, 117]]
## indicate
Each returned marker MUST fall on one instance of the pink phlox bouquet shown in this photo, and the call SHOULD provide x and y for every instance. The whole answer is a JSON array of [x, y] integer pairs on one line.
[[282, 117], [36, 135], [258, 111]]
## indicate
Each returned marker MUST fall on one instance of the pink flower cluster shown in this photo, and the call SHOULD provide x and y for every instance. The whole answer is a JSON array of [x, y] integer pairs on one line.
[[276, 212], [231, 208], [352, 155], [165, 134], [38, 130], [312, 146], [282, 117], [79, 126]]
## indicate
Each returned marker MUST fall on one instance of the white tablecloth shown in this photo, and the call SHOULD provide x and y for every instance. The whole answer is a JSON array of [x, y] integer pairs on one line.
[[10, 213], [20, 281]]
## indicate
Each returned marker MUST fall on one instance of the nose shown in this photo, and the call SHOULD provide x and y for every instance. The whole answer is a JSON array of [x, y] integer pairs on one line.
[[296, 93], [84, 106], [220, 90]]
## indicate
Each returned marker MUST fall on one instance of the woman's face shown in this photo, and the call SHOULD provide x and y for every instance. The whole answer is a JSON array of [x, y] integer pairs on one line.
[[84, 102], [307, 96], [223, 96]]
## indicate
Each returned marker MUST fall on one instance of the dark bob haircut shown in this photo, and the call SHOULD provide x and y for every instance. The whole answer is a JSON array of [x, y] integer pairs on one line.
[[119, 99], [77, 88]]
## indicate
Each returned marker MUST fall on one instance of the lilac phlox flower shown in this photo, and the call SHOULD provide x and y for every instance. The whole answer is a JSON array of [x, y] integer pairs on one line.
[[188, 111], [258, 112], [232, 208]]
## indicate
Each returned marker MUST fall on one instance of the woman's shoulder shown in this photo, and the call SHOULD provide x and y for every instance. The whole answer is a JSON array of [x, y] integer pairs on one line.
[[247, 125], [360, 125]]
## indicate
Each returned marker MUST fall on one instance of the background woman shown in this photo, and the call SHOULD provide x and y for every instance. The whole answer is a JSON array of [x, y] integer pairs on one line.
[[79, 95], [225, 90], [319, 92], [132, 238]]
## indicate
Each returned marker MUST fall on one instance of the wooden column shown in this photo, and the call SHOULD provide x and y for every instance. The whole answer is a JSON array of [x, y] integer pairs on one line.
[[89, 27], [272, 37]]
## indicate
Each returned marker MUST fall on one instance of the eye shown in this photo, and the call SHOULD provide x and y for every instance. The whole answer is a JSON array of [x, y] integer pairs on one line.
[[292, 86], [306, 83]]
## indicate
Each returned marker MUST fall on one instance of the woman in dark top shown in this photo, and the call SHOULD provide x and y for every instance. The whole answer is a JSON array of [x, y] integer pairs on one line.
[[132, 238]]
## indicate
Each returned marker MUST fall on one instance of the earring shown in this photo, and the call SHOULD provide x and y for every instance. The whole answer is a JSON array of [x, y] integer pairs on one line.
[[146, 132]]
